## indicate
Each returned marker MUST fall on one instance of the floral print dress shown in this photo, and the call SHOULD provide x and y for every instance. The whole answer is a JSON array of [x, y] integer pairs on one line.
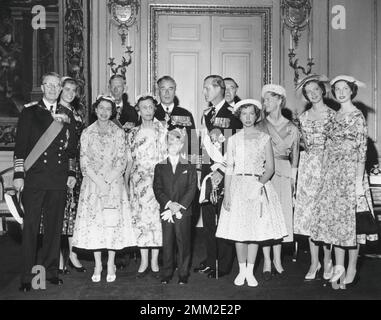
[[334, 216], [104, 154], [146, 148], [314, 135]]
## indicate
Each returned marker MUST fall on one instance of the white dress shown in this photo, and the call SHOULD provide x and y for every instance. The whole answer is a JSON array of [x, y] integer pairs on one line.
[[253, 216], [105, 154]]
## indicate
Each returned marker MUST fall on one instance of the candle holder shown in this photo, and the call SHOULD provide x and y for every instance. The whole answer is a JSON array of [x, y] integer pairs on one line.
[[296, 17], [124, 13], [297, 68]]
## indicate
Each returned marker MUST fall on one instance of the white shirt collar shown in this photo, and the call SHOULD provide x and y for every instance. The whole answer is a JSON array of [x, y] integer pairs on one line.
[[219, 105], [170, 107], [48, 104], [174, 159]]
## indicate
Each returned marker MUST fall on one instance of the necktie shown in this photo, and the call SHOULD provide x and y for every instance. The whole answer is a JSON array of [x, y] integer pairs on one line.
[[51, 109], [167, 115], [213, 112]]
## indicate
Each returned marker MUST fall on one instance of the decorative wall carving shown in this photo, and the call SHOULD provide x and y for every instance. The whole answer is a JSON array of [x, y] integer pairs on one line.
[[155, 10], [75, 25]]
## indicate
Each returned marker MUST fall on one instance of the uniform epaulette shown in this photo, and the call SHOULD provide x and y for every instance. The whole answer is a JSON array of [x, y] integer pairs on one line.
[[30, 104]]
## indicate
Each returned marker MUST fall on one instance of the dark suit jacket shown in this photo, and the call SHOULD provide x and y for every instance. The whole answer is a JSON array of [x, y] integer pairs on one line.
[[51, 169], [179, 187]]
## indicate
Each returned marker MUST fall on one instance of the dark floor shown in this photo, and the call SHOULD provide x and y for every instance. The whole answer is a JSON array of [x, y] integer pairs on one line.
[[126, 287]]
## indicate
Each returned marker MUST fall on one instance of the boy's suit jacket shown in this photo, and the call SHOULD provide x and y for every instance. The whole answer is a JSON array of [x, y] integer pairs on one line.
[[177, 187]]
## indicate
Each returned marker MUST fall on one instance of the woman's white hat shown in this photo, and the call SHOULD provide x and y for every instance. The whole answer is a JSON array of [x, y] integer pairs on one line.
[[313, 77], [247, 101], [275, 88], [348, 79]]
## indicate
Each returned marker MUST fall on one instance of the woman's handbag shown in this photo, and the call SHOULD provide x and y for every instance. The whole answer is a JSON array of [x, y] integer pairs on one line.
[[366, 223], [111, 215]]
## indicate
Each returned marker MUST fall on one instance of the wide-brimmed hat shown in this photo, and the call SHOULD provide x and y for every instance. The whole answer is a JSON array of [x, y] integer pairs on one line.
[[247, 101], [348, 79], [313, 77], [13, 201], [275, 88]]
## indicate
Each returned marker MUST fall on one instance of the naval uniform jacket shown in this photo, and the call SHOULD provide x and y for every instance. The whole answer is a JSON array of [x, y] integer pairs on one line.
[[180, 118], [224, 122], [51, 169]]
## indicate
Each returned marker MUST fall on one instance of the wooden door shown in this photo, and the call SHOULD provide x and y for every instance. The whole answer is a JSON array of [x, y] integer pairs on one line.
[[193, 47]]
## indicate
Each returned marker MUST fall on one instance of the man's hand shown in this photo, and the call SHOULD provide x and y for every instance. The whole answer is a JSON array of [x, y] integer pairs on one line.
[[18, 184], [216, 178], [71, 181], [167, 216], [174, 207]]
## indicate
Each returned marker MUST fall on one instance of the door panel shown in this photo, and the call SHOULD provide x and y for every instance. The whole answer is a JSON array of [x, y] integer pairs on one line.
[[193, 47]]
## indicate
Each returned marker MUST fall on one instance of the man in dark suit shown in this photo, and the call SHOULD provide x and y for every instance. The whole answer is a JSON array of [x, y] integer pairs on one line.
[[220, 124], [174, 185], [44, 184], [126, 116], [231, 92], [174, 116]]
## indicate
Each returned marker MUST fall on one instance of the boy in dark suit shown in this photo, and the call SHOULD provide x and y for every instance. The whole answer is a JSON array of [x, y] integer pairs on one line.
[[174, 185]]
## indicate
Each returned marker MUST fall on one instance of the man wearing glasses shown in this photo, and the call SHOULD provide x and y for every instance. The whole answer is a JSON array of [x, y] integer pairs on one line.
[[44, 184]]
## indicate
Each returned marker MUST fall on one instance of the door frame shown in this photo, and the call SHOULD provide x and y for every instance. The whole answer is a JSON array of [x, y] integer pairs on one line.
[[155, 10]]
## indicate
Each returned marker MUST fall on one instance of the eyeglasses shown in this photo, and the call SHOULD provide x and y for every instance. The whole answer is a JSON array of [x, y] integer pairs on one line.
[[52, 86]]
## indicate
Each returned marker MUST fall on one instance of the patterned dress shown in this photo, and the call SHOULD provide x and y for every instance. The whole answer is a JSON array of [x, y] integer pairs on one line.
[[146, 148], [252, 216], [334, 216], [72, 196], [285, 143], [105, 155], [314, 134]]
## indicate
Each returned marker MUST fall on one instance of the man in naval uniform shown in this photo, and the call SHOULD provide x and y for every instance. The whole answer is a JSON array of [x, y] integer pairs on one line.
[[174, 116], [221, 123], [44, 185]]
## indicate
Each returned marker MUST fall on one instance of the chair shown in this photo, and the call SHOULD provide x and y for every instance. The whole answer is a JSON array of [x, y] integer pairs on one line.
[[6, 183]]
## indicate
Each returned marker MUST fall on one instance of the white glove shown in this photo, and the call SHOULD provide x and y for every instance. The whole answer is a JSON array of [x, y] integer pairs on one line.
[[167, 216], [179, 215]]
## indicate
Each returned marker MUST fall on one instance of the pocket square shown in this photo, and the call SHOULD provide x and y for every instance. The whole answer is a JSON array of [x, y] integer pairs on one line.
[[186, 171]]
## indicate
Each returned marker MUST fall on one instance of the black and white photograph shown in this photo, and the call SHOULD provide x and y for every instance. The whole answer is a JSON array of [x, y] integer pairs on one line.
[[190, 156]]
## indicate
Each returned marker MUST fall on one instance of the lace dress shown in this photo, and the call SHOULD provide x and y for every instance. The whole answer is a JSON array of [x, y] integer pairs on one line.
[[252, 216]]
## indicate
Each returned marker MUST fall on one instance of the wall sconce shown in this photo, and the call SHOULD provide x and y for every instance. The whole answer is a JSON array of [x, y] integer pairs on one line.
[[123, 13], [296, 17]]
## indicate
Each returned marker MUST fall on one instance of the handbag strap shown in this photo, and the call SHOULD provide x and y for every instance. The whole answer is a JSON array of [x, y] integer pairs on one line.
[[43, 143]]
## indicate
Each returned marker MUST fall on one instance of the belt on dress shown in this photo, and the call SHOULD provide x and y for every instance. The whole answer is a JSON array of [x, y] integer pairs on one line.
[[247, 174], [282, 157]]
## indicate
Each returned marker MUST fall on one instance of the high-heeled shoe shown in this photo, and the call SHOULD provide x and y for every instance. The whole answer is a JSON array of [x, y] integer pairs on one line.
[[275, 272], [338, 272], [78, 269], [111, 277], [311, 275], [142, 274], [352, 284], [328, 274], [96, 277]]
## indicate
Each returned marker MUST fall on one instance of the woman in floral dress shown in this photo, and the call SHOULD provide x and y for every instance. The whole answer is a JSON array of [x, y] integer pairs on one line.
[[103, 217], [344, 187], [285, 142], [251, 211], [146, 148], [314, 124]]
